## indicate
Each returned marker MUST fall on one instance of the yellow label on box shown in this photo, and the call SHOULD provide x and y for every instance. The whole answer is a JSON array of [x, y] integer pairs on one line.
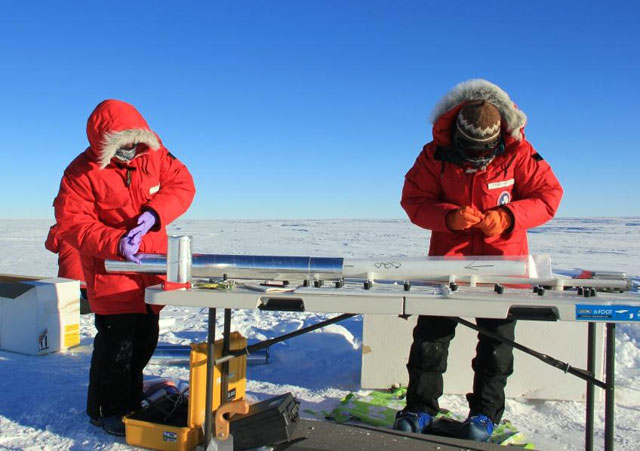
[[71, 335]]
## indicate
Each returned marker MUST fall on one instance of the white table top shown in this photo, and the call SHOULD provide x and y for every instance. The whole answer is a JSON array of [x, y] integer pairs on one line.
[[391, 299]]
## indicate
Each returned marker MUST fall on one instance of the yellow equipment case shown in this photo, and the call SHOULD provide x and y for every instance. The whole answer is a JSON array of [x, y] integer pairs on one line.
[[171, 426]]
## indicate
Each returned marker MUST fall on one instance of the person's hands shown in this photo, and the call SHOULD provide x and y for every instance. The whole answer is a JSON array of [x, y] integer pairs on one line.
[[145, 221], [463, 218], [128, 247], [495, 222], [130, 243]]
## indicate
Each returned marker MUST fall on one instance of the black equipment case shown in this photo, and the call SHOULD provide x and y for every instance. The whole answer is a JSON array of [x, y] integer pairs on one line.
[[268, 422]]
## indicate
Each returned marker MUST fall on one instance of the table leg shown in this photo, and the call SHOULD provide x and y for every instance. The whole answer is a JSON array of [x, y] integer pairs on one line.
[[208, 415], [226, 345], [591, 368], [610, 391]]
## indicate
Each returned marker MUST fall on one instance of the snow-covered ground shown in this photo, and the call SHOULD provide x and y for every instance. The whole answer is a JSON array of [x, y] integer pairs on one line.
[[42, 399]]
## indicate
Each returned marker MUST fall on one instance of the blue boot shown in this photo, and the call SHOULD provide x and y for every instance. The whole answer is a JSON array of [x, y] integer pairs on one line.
[[477, 427], [409, 421]]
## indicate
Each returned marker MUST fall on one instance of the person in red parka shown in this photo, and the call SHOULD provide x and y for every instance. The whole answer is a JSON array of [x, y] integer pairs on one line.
[[115, 200], [478, 186], [69, 265]]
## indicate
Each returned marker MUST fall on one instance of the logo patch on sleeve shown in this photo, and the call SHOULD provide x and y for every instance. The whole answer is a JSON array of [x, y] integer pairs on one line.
[[504, 198], [154, 189]]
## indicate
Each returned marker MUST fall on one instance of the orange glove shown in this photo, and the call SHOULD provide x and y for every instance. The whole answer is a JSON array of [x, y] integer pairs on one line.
[[495, 222], [463, 218]]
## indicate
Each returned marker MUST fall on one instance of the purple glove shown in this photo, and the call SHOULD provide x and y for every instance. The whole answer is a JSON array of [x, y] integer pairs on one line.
[[130, 243], [128, 247], [145, 221]]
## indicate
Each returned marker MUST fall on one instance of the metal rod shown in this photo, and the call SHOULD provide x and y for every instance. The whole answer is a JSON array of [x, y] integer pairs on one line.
[[545, 358], [208, 414], [151, 264], [179, 354], [591, 368], [609, 399], [237, 266], [266, 343]]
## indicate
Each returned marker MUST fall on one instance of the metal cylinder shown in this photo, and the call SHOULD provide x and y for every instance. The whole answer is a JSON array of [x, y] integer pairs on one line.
[[179, 262], [264, 266], [237, 266], [180, 266], [151, 264], [300, 268]]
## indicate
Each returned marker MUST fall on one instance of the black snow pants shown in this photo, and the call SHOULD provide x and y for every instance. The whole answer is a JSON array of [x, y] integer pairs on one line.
[[122, 348], [492, 365]]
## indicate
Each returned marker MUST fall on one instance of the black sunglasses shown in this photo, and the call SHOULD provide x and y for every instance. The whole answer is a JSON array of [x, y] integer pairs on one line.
[[465, 144]]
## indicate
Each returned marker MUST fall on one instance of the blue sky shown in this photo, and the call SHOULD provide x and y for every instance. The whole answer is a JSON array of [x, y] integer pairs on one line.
[[316, 109]]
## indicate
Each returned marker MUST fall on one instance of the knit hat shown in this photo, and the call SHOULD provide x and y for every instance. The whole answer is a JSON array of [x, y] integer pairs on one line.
[[478, 124]]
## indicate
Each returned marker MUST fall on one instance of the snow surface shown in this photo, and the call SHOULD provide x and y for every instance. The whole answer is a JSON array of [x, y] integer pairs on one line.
[[42, 399]]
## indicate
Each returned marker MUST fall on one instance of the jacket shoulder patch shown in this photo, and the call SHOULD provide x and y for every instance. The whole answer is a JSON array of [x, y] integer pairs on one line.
[[536, 156]]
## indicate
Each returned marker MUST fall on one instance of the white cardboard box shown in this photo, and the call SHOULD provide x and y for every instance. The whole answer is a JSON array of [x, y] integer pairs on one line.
[[39, 316], [386, 341]]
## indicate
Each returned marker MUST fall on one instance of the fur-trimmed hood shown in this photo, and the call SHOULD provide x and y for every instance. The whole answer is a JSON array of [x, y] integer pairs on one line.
[[477, 89], [114, 123]]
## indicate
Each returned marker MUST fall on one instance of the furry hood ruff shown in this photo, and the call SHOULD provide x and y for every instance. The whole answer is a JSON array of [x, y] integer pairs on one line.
[[113, 141], [478, 89], [114, 124]]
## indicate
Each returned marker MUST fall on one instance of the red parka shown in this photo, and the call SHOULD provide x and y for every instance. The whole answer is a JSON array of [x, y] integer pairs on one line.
[[101, 198], [518, 179]]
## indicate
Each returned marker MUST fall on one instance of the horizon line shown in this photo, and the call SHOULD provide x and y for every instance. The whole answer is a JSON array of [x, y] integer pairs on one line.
[[320, 219]]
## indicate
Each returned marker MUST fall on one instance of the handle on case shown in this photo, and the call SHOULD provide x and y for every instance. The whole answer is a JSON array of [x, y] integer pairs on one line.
[[222, 422]]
